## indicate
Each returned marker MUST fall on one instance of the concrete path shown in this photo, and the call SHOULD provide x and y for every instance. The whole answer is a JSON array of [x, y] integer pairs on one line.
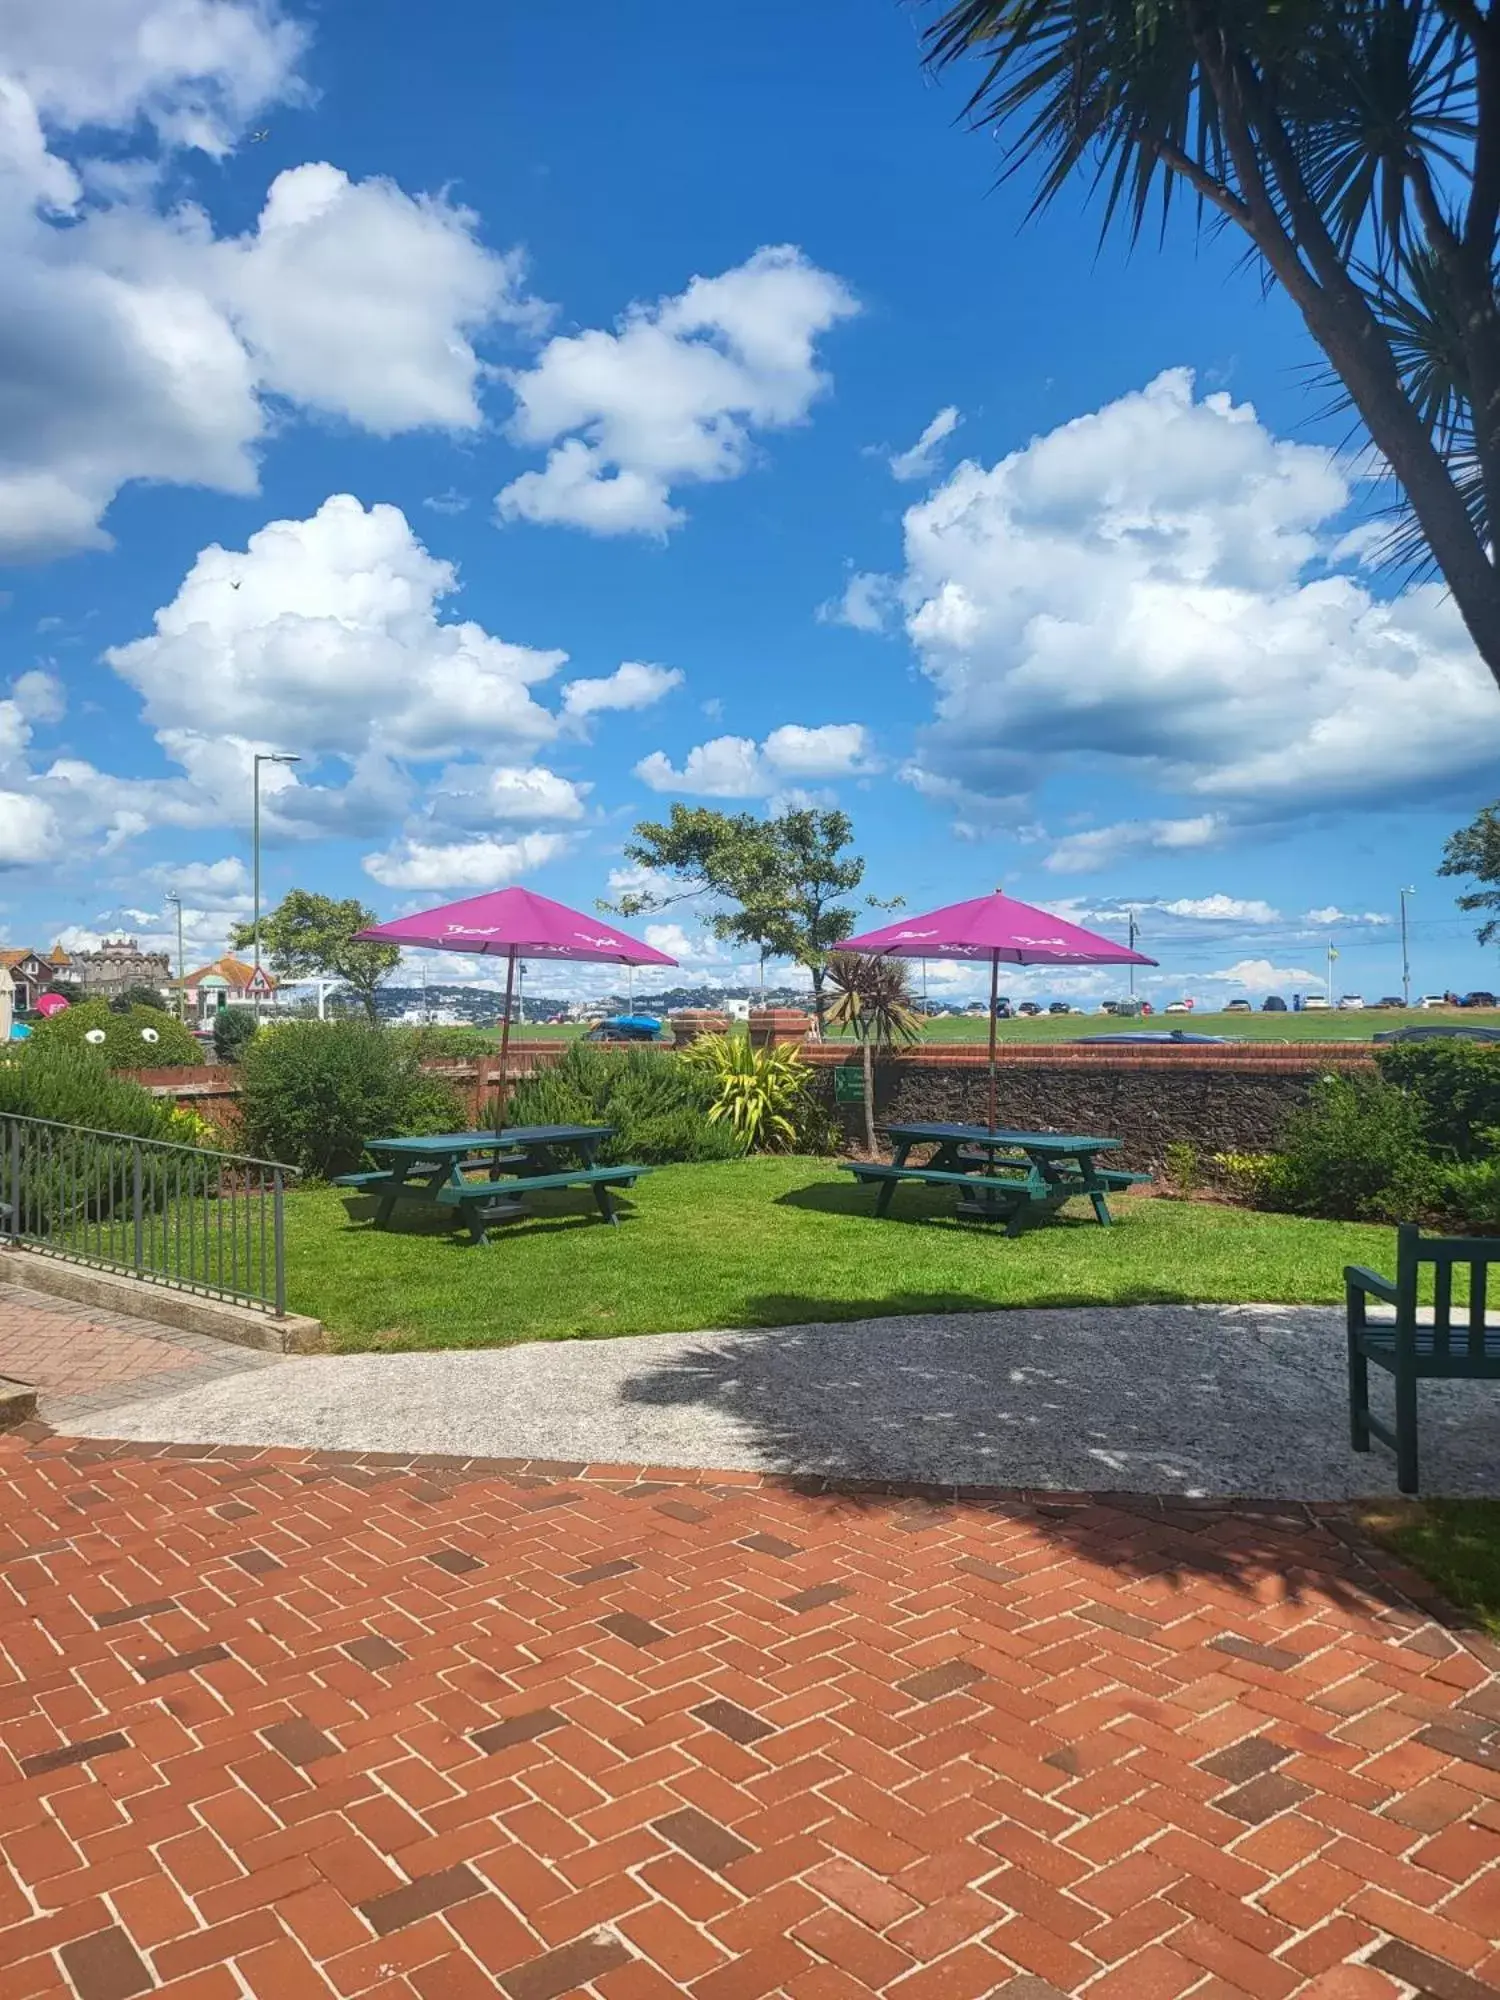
[[1241, 1400]]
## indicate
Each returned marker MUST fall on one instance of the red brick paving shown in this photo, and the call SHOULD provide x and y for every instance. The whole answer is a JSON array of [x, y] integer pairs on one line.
[[285, 1725]]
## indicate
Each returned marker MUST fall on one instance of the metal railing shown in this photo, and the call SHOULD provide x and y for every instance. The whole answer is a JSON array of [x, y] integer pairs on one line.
[[188, 1217]]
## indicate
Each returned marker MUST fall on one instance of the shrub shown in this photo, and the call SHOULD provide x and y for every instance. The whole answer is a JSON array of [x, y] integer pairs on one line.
[[1184, 1168], [137, 995], [1468, 1194], [1244, 1174], [762, 1095], [233, 1028], [1456, 1087], [68, 1181], [314, 1091], [143, 1038], [657, 1103], [76, 1086], [1357, 1152]]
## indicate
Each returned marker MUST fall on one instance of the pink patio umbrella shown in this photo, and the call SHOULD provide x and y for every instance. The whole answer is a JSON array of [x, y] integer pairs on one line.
[[1003, 931], [512, 924]]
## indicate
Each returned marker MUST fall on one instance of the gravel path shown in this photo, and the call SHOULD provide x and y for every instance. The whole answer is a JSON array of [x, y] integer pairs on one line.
[[1246, 1400]]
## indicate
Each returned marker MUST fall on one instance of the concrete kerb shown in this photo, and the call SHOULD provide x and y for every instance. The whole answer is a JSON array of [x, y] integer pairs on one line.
[[116, 1292]]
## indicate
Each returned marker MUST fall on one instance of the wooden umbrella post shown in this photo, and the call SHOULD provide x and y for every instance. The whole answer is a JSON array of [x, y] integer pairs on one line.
[[510, 982], [994, 998]]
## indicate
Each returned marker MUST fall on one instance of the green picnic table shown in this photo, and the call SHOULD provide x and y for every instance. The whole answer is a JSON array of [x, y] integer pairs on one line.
[[485, 1176], [1009, 1177]]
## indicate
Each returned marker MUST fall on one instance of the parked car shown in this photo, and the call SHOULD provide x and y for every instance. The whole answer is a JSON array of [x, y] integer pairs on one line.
[[1029, 1008], [1480, 999], [1273, 1004], [1390, 1000], [1433, 1000], [1351, 1003], [1449, 1030], [1182, 1035], [1314, 1003], [1177, 1007], [1058, 1007], [626, 1028], [1237, 1007]]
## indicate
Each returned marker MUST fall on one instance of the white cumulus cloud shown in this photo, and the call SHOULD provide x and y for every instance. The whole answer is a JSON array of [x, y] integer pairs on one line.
[[736, 767], [1220, 909], [633, 684], [463, 864], [921, 460], [138, 343], [673, 396], [1102, 846], [1155, 585]]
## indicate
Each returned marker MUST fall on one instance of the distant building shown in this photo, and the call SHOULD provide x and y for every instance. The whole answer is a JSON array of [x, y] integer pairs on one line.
[[224, 982], [34, 973], [118, 963]]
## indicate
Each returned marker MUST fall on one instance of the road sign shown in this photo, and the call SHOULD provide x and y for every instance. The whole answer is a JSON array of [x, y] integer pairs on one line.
[[259, 982]]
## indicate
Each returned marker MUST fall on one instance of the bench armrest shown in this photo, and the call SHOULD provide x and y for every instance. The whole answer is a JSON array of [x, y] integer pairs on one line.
[[1358, 1279]]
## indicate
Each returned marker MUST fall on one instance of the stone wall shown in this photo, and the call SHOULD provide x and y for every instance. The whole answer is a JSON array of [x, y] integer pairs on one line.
[[1219, 1101], [1230, 1100]]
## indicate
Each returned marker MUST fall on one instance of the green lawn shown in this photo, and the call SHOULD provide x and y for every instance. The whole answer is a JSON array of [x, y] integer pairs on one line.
[[765, 1242], [1316, 1027], [1454, 1542]]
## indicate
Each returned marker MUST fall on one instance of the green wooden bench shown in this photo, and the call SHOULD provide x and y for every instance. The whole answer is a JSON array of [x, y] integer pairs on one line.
[[484, 1202], [1460, 1343]]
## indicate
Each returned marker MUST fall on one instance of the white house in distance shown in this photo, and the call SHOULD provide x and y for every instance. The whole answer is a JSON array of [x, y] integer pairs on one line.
[[223, 982]]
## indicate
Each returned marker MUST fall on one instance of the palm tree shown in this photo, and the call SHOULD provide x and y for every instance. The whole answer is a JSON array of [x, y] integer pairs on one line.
[[874, 1001], [1356, 144]]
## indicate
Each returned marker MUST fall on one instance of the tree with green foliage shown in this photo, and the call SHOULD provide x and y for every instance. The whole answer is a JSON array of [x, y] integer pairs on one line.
[[310, 936], [139, 995], [777, 881], [233, 1028], [1475, 851], [1356, 145]]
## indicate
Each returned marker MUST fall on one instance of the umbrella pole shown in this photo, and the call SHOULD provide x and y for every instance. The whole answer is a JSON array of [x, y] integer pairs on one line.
[[510, 981], [994, 996]]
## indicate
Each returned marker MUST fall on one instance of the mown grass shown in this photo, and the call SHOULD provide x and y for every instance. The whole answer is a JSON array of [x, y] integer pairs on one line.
[[1455, 1543], [775, 1241]]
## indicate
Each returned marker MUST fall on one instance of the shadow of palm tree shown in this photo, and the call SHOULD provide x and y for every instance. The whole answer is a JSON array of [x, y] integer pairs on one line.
[[1028, 1415]]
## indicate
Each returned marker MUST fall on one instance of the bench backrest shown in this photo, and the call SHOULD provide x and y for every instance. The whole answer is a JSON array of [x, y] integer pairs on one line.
[[1444, 1254]]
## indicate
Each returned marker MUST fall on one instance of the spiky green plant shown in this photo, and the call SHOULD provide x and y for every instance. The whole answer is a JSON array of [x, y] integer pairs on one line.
[[873, 1000], [758, 1093]]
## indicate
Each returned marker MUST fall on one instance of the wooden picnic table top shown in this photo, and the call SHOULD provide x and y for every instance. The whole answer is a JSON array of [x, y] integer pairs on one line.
[[980, 1135], [437, 1145]]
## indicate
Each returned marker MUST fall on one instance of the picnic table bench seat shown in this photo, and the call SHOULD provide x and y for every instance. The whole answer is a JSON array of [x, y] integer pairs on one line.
[[1447, 1341], [497, 1201]]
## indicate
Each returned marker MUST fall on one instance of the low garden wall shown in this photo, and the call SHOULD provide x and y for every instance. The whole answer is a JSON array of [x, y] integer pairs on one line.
[[1219, 1100], [1230, 1100]]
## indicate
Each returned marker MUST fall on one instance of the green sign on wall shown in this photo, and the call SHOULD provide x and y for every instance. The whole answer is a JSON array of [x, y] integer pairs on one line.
[[848, 1084]]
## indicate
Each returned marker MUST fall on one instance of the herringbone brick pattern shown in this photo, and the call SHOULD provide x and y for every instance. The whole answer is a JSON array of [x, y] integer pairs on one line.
[[286, 1726]]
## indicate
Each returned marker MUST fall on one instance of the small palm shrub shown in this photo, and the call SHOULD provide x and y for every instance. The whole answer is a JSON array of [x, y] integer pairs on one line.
[[312, 1092], [873, 999]]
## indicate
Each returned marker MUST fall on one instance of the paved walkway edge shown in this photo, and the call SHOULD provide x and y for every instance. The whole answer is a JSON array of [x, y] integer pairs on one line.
[[189, 1312]]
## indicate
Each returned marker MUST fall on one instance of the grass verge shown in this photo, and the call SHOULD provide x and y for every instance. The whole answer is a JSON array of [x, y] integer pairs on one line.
[[771, 1242], [1454, 1543]]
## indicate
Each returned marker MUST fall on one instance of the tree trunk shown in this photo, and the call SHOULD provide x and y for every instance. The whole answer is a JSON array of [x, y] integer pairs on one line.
[[819, 999], [869, 1065]]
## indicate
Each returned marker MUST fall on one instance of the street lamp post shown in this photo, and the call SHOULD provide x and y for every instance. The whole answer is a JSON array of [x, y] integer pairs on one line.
[[173, 897], [1405, 956], [261, 757]]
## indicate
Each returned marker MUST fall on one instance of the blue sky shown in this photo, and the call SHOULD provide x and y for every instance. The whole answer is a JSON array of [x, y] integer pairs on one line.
[[518, 413]]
